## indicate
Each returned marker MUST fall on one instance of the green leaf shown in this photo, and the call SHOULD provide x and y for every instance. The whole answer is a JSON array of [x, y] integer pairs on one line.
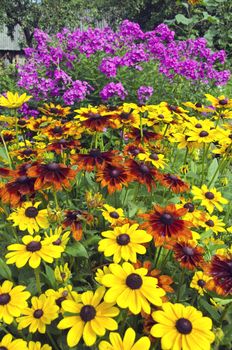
[[77, 250], [182, 19], [5, 271], [50, 276], [210, 309], [212, 169]]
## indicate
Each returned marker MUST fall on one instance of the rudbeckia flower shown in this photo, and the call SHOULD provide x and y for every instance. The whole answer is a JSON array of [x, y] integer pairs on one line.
[[7, 343], [143, 173], [210, 198], [127, 343], [199, 282], [188, 254], [113, 176], [182, 327], [113, 215], [124, 243], [62, 273], [33, 250], [219, 102], [156, 159], [75, 219], [42, 312], [28, 217], [91, 317], [132, 288], [13, 100], [12, 301], [38, 346], [55, 110], [13, 191], [213, 223], [173, 182], [61, 295]]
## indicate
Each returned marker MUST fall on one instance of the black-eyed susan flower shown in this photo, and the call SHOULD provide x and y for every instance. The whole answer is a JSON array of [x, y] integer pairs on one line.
[[113, 215], [166, 224], [8, 343], [94, 118], [201, 136], [156, 159], [55, 110], [188, 254], [94, 200], [91, 317], [144, 173], [12, 301], [13, 100], [127, 343], [219, 102], [182, 327], [199, 282], [42, 312], [210, 198], [57, 237], [173, 182], [52, 175], [13, 191], [146, 137], [101, 272], [212, 222], [113, 176], [75, 219], [38, 346], [29, 217], [62, 273], [219, 269], [124, 242], [32, 251], [62, 294], [94, 159], [132, 288]]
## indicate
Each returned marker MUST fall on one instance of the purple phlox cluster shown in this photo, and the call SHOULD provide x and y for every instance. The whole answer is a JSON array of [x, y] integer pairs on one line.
[[113, 90], [144, 93]]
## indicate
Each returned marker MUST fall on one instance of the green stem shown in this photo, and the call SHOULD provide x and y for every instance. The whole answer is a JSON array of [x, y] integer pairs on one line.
[[180, 284], [37, 279], [54, 345], [158, 256], [6, 150], [225, 312], [202, 165], [185, 157], [56, 200]]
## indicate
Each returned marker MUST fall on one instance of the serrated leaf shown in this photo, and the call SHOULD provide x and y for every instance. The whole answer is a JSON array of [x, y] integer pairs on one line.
[[77, 250], [5, 271]]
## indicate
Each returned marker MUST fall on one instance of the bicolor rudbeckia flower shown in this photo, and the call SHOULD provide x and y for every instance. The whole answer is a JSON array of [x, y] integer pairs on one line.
[[91, 317], [173, 182], [132, 288], [188, 254], [12, 301], [29, 217], [42, 312], [220, 269], [55, 110], [124, 242], [182, 327], [127, 343], [112, 176]]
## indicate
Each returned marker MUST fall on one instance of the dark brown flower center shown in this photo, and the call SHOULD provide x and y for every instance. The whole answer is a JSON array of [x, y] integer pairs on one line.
[[198, 126], [31, 212], [59, 301], [210, 223], [27, 152], [144, 169], [154, 156], [123, 239], [57, 130], [22, 179], [57, 242], [166, 219], [203, 133], [201, 283], [53, 166], [134, 281], [4, 298], [95, 153], [87, 313], [114, 215], [209, 195], [125, 115], [94, 115], [223, 102], [172, 177], [115, 173], [190, 207], [198, 105], [161, 116], [188, 251], [184, 326], [173, 108], [33, 246], [38, 313], [3, 348]]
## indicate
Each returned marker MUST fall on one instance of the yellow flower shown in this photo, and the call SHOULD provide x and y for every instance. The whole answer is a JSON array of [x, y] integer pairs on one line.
[[124, 243], [199, 281], [91, 318], [114, 216], [132, 288], [62, 273], [182, 327], [127, 343], [13, 100], [38, 346], [213, 223], [28, 217], [55, 110], [12, 301], [57, 237], [32, 251], [210, 198], [42, 312], [219, 102], [101, 272], [7, 343], [94, 200], [201, 136], [62, 294], [156, 159]]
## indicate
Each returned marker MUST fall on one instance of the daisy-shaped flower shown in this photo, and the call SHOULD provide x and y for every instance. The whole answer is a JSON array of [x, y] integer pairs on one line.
[[42, 312], [12, 100], [210, 198], [127, 343], [212, 222], [124, 243], [61, 295], [157, 159], [182, 327], [62, 273], [38, 346], [199, 282], [113, 215], [28, 217], [219, 102], [188, 254], [33, 250], [7, 343], [132, 288], [55, 110], [12, 301], [90, 318]]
